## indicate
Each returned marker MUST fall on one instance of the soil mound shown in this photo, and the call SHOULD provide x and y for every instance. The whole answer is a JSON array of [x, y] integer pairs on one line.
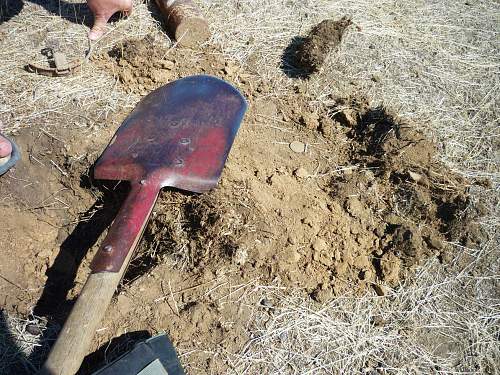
[[142, 65], [321, 40], [383, 205]]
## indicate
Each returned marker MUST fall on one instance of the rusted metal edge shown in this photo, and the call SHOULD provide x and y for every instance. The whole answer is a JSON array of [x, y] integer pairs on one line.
[[54, 72]]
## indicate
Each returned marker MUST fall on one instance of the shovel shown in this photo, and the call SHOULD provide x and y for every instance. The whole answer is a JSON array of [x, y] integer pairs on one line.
[[179, 136]]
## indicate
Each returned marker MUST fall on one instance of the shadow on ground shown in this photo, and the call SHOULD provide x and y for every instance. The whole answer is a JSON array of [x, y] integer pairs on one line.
[[111, 350], [289, 64], [15, 361], [74, 12]]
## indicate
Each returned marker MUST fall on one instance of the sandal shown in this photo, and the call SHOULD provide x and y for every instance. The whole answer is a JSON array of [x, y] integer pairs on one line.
[[9, 161]]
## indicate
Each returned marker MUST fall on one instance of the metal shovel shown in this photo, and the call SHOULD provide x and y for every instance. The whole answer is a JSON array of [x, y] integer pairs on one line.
[[179, 136]]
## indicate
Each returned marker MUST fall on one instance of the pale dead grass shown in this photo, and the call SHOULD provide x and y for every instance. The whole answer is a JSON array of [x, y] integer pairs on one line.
[[433, 62], [442, 325], [84, 99]]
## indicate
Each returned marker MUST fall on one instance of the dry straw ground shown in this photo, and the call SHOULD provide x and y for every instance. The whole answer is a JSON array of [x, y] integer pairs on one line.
[[435, 62]]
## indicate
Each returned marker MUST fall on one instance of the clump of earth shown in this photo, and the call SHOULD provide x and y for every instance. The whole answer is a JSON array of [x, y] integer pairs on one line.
[[142, 65], [321, 40]]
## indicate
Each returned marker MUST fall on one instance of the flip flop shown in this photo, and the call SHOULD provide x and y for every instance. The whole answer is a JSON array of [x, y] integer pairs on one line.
[[9, 161]]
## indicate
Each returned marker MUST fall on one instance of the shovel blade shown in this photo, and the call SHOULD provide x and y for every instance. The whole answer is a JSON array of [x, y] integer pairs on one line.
[[178, 135]]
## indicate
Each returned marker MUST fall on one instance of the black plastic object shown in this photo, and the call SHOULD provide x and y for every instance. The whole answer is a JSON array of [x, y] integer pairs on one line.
[[144, 353]]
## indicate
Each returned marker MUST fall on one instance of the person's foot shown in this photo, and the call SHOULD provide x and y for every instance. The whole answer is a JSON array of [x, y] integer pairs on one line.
[[103, 10], [5, 150]]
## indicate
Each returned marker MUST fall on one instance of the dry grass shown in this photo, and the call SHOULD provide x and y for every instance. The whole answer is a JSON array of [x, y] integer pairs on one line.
[[433, 62], [415, 329], [84, 99], [18, 340]]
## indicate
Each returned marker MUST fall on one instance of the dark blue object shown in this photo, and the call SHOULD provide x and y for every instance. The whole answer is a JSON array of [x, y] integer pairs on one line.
[[144, 353]]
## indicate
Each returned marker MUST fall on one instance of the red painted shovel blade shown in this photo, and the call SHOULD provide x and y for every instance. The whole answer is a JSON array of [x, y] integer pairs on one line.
[[179, 135]]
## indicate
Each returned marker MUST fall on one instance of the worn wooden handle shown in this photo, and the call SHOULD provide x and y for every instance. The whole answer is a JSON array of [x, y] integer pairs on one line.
[[73, 342], [185, 21]]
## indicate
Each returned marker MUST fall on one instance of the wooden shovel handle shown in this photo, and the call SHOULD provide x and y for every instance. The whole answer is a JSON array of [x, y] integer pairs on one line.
[[185, 21], [75, 338]]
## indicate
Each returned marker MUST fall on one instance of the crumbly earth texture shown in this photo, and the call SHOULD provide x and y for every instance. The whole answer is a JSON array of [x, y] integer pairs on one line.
[[319, 42], [359, 209]]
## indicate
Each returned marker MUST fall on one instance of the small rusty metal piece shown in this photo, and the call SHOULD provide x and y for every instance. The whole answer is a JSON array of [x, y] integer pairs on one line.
[[58, 64]]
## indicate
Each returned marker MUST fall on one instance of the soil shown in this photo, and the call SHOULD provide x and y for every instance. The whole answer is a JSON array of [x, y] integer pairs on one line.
[[321, 40], [362, 206]]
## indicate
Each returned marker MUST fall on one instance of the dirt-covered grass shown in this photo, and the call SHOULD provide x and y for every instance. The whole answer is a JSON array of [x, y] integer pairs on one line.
[[435, 63]]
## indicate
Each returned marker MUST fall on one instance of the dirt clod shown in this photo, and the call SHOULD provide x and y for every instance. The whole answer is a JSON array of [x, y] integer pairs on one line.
[[321, 40]]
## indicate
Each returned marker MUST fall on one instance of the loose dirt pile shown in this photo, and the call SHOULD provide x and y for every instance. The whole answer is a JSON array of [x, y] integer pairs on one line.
[[361, 206], [141, 65], [379, 205], [321, 40], [389, 207]]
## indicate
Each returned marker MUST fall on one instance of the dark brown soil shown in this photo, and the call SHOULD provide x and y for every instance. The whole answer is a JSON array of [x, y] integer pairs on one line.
[[321, 40]]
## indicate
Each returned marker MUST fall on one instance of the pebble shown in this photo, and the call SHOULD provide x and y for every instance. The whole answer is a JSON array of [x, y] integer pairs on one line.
[[33, 329], [301, 172], [166, 64], [319, 244], [380, 289], [298, 147]]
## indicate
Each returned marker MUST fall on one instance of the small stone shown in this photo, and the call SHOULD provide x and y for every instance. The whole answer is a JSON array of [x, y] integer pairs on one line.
[[390, 265], [415, 176], [292, 239], [293, 256], [266, 303], [301, 172], [354, 207], [125, 304], [434, 242], [362, 262], [350, 116], [323, 294], [33, 329], [378, 321], [240, 256], [337, 255], [298, 147], [160, 76], [166, 64], [319, 245], [126, 76]]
